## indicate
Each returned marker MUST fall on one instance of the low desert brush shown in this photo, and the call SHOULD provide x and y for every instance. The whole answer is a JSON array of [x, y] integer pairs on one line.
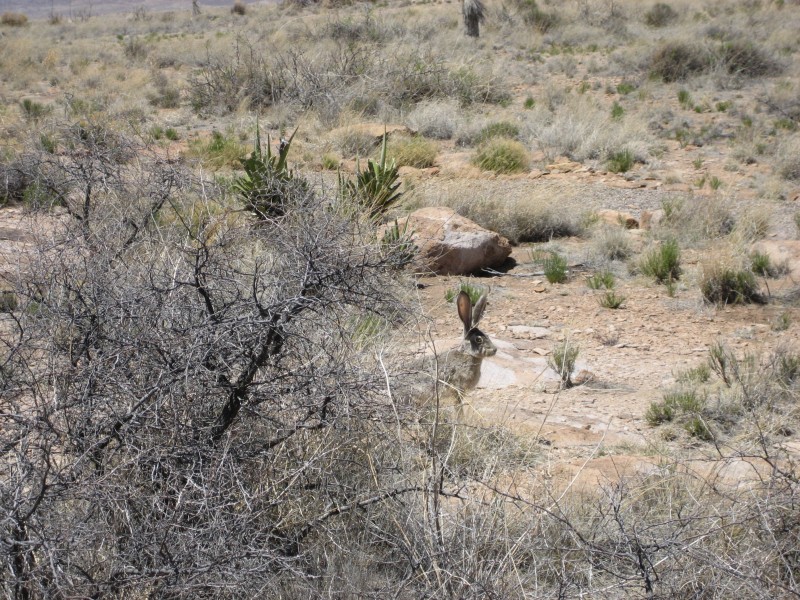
[[497, 129], [502, 156], [553, 264], [413, 151], [601, 280], [725, 284], [660, 15], [662, 263], [611, 243], [562, 361], [611, 299]]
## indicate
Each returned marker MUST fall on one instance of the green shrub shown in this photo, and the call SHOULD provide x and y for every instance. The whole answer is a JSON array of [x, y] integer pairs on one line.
[[33, 111], [498, 129], [625, 88], [617, 111], [554, 266], [726, 285], [562, 361], [502, 156], [529, 103], [330, 162], [48, 143], [685, 401], [675, 403], [697, 427], [761, 264], [157, 132], [620, 161], [604, 279], [660, 15], [676, 61], [610, 299], [684, 98], [171, 134], [723, 362], [696, 375], [413, 152], [473, 291], [663, 262], [218, 152]]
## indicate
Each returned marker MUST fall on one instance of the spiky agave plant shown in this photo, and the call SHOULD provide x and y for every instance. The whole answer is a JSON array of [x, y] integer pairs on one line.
[[474, 14]]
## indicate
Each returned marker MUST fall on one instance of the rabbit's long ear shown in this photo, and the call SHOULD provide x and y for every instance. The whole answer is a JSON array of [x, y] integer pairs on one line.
[[477, 310], [464, 305]]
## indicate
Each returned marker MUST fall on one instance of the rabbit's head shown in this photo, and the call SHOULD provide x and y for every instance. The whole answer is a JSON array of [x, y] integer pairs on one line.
[[476, 343]]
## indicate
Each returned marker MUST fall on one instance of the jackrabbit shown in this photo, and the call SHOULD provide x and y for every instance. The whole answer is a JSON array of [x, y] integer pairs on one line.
[[459, 369]]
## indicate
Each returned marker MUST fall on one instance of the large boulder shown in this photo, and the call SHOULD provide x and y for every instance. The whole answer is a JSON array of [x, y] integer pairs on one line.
[[450, 244]]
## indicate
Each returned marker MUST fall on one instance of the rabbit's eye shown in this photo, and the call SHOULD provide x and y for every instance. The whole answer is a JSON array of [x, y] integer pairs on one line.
[[479, 341]]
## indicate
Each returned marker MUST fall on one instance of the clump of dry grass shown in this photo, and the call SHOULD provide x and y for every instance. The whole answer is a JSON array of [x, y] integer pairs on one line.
[[582, 129], [678, 60], [728, 281], [694, 220], [611, 243], [520, 219], [436, 119], [503, 156], [413, 151]]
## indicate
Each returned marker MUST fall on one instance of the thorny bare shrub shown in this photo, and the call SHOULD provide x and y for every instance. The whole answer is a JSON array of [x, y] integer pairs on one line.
[[335, 80], [182, 403]]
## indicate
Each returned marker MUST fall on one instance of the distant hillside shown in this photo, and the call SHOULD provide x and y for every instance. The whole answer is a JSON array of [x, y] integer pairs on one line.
[[40, 9]]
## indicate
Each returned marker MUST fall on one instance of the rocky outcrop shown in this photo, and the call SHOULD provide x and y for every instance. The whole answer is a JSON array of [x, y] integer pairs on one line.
[[450, 244]]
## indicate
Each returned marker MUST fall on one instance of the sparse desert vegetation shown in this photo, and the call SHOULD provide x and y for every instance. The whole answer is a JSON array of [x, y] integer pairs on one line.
[[216, 320]]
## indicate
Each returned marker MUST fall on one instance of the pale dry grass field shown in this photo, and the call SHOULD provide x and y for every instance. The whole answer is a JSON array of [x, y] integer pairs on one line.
[[664, 466]]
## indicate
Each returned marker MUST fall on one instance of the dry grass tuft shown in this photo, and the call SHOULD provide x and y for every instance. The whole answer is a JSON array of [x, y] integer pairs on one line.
[[520, 219]]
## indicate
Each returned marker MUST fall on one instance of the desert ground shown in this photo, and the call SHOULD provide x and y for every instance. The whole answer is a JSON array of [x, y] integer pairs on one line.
[[595, 136]]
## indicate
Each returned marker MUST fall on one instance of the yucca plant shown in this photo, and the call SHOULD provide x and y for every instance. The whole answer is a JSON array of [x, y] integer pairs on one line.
[[474, 12], [268, 182], [375, 188], [398, 244]]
